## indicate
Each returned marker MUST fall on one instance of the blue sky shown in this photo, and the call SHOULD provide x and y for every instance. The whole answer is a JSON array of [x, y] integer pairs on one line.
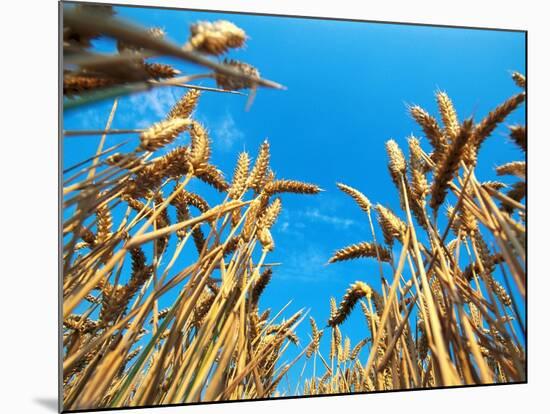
[[348, 86]]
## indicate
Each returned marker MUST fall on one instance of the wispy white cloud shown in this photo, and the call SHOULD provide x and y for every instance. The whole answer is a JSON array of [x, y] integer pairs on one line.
[[306, 265], [289, 224], [284, 226], [161, 100], [225, 133], [149, 107], [295, 222], [90, 118], [315, 214], [144, 109]]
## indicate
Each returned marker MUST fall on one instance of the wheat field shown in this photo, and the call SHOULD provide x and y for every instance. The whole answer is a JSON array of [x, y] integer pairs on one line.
[[448, 313]]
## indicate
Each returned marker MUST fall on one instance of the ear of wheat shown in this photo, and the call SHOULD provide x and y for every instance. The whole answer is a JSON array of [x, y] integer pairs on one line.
[[424, 290], [140, 224], [206, 246], [363, 249]]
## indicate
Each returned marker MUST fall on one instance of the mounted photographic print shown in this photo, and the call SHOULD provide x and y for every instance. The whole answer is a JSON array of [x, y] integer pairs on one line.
[[260, 207]]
